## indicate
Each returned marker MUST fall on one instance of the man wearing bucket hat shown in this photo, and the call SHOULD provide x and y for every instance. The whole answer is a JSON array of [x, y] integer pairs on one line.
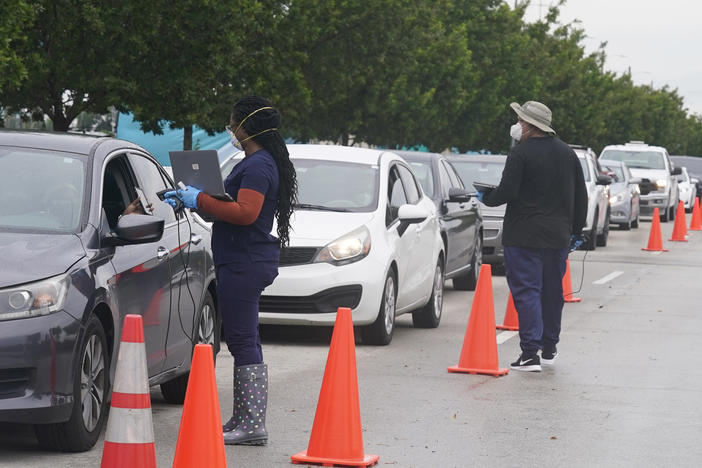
[[543, 187]]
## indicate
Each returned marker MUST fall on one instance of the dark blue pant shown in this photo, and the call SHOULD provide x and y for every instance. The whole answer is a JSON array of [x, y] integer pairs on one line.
[[535, 278], [239, 287]]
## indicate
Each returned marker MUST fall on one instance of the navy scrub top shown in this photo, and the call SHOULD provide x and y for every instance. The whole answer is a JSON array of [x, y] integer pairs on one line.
[[254, 243]]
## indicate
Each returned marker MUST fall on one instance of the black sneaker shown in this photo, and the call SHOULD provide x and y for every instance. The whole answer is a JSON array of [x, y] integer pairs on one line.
[[548, 356], [530, 364]]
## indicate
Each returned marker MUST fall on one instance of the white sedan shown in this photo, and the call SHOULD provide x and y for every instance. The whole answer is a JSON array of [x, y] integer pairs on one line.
[[364, 236]]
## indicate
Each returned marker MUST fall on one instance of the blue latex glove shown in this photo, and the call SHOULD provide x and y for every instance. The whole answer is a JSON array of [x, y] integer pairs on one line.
[[575, 242], [479, 196], [188, 196]]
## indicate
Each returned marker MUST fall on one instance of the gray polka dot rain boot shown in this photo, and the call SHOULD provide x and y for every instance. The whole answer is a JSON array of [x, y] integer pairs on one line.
[[234, 420], [250, 401]]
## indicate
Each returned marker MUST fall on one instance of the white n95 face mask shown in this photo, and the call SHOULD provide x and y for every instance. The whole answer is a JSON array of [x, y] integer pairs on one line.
[[515, 131]]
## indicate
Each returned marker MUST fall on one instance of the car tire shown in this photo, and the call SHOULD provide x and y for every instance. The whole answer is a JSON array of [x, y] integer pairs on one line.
[[635, 222], [591, 238], [379, 333], [208, 332], [91, 370], [469, 281], [602, 238], [429, 316]]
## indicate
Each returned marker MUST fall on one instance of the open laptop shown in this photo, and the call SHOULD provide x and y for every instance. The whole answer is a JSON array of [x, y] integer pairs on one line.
[[199, 169]]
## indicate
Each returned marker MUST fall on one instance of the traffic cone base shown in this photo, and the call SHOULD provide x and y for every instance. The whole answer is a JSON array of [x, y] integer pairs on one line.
[[302, 458], [467, 370], [511, 321], [567, 288], [479, 351], [337, 437], [655, 244]]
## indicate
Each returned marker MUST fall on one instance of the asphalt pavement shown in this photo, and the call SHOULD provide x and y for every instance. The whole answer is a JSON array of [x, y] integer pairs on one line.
[[626, 389]]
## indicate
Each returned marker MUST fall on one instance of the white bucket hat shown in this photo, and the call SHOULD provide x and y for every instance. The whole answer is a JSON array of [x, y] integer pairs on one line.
[[534, 113]]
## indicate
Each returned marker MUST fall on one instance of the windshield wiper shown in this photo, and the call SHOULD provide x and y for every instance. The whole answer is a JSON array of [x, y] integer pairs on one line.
[[308, 206]]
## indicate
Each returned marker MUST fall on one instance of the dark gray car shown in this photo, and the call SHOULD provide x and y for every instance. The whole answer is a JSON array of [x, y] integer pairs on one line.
[[486, 169], [459, 216], [73, 264]]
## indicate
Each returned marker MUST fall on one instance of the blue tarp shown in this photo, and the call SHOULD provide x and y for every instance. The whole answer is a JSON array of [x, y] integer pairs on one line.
[[171, 140]]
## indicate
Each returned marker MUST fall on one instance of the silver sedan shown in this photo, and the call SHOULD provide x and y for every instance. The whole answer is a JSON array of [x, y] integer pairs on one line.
[[624, 194]]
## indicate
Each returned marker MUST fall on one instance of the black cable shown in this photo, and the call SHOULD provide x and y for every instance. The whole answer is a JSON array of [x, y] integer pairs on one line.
[[582, 277], [191, 335]]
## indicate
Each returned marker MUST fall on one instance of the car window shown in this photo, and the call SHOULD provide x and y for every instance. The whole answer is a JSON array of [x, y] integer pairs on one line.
[[411, 190], [586, 169], [117, 190], [396, 196], [617, 171], [636, 159], [336, 185], [455, 178], [41, 190], [150, 180], [445, 180], [424, 174], [479, 171]]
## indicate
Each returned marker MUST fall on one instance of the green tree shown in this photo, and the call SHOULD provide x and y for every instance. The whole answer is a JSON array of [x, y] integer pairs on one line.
[[13, 14]]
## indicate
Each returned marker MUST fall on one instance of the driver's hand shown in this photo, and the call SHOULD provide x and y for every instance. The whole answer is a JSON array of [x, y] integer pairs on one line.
[[135, 207]]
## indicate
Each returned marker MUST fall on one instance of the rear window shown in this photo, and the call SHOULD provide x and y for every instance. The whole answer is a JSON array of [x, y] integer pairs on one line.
[[336, 186], [477, 171]]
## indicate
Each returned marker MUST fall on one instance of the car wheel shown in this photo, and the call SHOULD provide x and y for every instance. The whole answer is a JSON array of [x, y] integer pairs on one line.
[[379, 333], [469, 281], [208, 332], [591, 238], [666, 215], [429, 316], [602, 238], [635, 222], [91, 387]]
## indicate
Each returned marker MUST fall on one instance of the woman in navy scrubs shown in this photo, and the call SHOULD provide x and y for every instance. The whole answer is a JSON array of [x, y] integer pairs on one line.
[[263, 187]]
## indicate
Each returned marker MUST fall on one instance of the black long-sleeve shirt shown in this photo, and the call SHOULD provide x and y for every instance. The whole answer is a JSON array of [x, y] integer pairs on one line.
[[543, 186]]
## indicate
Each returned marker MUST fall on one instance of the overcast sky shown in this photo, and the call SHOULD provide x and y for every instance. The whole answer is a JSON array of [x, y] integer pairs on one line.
[[660, 40]]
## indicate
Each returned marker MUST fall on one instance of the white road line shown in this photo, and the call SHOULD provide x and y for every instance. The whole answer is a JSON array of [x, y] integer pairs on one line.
[[609, 277], [505, 335]]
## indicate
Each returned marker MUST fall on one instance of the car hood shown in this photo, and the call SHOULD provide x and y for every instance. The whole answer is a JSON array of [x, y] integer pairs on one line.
[[318, 228], [651, 174], [31, 257]]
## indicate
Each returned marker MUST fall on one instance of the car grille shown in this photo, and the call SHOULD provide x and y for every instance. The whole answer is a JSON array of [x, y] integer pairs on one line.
[[13, 382], [323, 302], [297, 255]]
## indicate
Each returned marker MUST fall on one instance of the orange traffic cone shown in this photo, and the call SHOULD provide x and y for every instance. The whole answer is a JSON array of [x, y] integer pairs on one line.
[[680, 228], [655, 244], [336, 438], [696, 219], [511, 321], [567, 288], [200, 439], [129, 438], [479, 352]]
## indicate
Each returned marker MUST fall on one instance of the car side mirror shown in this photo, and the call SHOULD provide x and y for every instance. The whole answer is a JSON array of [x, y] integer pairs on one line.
[[410, 214], [135, 229], [458, 195], [676, 171], [603, 180]]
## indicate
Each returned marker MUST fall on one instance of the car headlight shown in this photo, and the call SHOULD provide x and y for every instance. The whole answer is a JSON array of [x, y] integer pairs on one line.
[[616, 198], [34, 299], [348, 248], [661, 183]]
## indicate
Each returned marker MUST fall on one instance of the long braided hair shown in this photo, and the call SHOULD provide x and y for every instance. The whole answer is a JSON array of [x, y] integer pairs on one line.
[[272, 142]]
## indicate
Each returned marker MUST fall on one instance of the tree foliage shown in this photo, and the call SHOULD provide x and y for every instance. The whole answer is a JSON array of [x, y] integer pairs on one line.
[[392, 73]]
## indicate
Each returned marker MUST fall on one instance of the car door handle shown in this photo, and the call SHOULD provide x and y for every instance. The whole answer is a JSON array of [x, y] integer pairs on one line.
[[161, 253], [195, 238]]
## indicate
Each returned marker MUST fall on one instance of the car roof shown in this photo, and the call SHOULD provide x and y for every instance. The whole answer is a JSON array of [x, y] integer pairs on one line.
[[56, 141], [501, 158], [416, 155], [336, 153], [635, 146]]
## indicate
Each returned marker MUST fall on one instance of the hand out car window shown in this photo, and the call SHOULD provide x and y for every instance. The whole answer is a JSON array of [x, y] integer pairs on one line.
[[151, 180], [411, 190], [396, 196], [41, 190]]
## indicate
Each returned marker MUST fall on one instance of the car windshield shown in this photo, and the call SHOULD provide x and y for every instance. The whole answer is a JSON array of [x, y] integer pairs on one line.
[[617, 170], [478, 171], [41, 190], [336, 186], [637, 159], [422, 171]]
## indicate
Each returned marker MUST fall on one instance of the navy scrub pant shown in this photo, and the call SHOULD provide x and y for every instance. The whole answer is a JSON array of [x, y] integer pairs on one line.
[[239, 288], [535, 278]]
